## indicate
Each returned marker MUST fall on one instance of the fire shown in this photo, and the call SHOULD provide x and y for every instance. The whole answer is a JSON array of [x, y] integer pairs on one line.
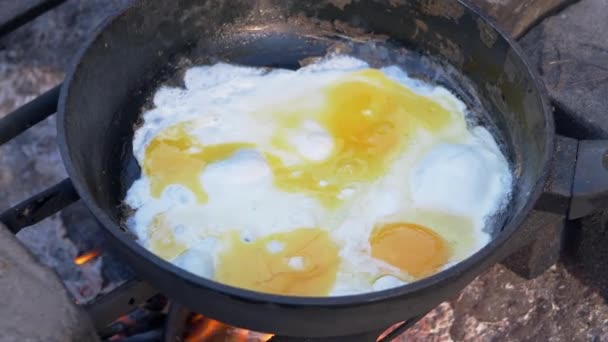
[[86, 257], [202, 329]]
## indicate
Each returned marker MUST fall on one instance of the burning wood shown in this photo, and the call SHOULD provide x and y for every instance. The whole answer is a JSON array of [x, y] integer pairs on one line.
[[204, 329]]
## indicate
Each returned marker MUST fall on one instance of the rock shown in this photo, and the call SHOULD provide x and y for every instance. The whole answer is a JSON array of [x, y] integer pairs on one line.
[[499, 306], [35, 305], [517, 16], [588, 257], [570, 50], [544, 250]]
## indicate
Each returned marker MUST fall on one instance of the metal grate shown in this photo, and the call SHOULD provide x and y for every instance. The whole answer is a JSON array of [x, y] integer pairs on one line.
[[17, 13]]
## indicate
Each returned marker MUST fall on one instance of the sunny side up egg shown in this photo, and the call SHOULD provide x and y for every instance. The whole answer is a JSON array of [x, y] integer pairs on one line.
[[333, 179]]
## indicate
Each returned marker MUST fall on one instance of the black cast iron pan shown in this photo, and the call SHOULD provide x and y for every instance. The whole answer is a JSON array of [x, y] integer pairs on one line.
[[150, 43]]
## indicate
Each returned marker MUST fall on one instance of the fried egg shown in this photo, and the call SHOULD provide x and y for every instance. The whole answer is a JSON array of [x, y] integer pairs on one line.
[[333, 179]]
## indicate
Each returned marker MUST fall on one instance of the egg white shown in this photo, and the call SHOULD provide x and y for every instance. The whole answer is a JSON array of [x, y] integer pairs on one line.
[[459, 172]]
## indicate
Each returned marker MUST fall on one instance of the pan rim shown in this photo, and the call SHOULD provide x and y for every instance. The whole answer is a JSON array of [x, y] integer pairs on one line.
[[484, 255]]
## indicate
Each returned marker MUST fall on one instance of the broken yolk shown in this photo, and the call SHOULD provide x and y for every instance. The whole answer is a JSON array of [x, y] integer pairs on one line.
[[162, 240], [303, 262], [412, 248], [370, 118], [174, 157]]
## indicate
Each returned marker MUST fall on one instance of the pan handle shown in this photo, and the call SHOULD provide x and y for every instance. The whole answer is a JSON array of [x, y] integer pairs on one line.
[[577, 184], [57, 197], [40, 206], [557, 191], [590, 184]]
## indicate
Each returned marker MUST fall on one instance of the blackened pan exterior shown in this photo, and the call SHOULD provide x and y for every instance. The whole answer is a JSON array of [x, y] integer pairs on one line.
[[122, 64]]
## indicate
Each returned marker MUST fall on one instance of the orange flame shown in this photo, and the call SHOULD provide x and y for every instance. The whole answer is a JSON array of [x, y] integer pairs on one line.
[[86, 257], [203, 329]]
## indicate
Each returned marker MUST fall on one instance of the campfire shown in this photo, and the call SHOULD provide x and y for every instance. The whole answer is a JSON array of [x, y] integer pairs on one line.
[[199, 329]]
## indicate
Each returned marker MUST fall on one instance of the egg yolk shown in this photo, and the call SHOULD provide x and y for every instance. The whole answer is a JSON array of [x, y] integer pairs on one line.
[[412, 248], [370, 118], [174, 157], [302, 262], [162, 239]]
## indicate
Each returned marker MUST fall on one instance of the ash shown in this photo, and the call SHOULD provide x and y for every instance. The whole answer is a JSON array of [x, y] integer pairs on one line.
[[566, 303], [32, 60]]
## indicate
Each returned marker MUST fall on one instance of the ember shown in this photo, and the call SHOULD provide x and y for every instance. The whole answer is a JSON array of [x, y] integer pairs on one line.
[[86, 257], [202, 329]]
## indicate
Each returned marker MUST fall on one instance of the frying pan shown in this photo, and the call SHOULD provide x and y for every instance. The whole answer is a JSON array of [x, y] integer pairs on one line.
[[151, 42]]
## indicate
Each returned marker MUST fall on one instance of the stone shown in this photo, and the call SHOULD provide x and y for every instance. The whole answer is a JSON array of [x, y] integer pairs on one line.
[[587, 259], [35, 305], [544, 250], [570, 51], [517, 16], [557, 306]]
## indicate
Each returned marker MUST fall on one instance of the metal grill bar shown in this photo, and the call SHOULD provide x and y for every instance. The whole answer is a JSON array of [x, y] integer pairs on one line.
[[17, 13], [28, 115], [119, 302], [39, 207]]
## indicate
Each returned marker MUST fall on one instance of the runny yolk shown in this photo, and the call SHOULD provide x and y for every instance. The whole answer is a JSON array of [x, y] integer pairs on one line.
[[162, 240], [174, 157], [302, 262], [412, 248], [370, 118]]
